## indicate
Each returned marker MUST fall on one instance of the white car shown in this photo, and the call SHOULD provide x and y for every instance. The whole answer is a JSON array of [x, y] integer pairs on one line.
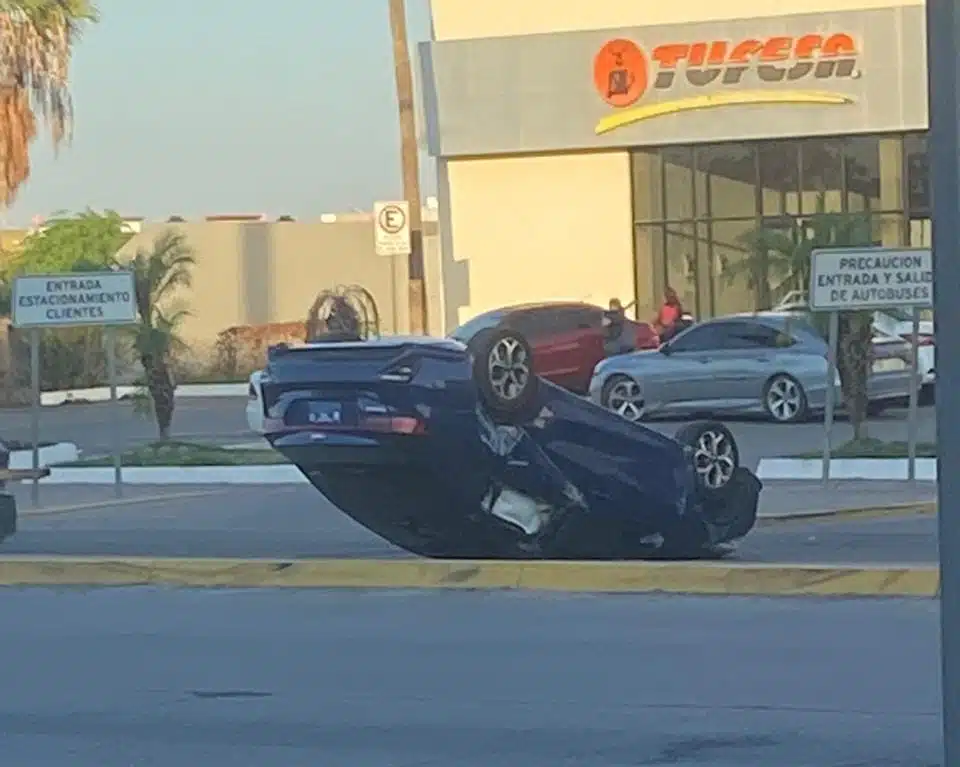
[[891, 322], [255, 403]]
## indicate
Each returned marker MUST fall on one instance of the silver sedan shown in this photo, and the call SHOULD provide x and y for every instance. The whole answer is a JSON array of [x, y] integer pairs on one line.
[[770, 363]]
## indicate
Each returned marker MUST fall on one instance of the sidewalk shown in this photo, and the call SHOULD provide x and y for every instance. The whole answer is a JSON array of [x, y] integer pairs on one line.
[[63, 498], [780, 497]]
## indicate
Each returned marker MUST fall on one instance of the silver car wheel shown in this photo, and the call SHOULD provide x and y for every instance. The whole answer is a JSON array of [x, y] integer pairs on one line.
[[626, 399], [784, 399], [714, 459], [508, 368]]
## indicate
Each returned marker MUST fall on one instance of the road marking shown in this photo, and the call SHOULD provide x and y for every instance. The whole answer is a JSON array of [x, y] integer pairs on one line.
[[117, 502]]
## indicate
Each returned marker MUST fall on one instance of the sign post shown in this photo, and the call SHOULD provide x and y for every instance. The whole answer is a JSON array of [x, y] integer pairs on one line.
[[73, 300], [392, 229], [870, 279]]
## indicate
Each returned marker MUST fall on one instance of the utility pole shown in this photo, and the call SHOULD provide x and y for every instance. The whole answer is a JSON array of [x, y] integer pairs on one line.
[[410, 164]]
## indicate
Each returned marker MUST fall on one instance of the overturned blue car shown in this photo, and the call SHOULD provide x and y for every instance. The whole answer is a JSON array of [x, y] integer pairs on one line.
[[454, 450]]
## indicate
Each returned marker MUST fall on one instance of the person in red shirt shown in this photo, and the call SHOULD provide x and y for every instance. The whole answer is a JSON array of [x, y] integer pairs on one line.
[[670, 313]]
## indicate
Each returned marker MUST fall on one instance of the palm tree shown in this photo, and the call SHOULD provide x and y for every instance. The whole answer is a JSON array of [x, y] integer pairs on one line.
[[783, 254], [36, 43], [158, 274]]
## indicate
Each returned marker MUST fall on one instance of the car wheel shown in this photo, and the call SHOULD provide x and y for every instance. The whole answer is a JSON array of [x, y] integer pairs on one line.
[[623, 395], [713, 451], [784, 399], [502, 362]]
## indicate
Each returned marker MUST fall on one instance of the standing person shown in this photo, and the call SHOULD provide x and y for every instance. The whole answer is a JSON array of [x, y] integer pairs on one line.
[[614, 324], [669, 315]]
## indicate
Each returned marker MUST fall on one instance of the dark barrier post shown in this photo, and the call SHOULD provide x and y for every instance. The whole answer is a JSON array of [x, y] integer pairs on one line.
[[943, 41]]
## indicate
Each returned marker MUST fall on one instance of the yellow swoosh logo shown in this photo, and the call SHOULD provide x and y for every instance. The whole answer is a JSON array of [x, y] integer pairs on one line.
[[740, 98]]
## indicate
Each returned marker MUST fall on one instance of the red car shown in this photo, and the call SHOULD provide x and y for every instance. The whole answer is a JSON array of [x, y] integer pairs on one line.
[[567, 337]]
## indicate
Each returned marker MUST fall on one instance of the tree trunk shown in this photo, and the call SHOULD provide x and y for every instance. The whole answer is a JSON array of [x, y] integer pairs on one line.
[[161, 388], [854, 358], [410, 162]]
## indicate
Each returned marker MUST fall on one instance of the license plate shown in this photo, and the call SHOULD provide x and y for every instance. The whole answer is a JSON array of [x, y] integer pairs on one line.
[[325, 413]]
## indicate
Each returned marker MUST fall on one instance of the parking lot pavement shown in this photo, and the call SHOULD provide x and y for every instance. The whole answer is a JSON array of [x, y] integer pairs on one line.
[[119, 677], [222, 420], [200, 419], [296, 522]]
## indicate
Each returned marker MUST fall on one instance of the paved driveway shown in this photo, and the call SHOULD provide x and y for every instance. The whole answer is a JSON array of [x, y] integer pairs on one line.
[[296, 522]]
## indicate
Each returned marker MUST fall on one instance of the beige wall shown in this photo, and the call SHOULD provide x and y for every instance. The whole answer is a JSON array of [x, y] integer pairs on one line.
[[539, 227], [252, 273], [526, 228], [466, 19]]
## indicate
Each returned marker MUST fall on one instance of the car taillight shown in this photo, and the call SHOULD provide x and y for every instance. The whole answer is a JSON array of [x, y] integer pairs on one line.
[[385, 424], [922, 339]]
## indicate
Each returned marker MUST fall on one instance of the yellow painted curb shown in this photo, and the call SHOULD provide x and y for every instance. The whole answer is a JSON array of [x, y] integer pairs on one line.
[[843, 515], [599, 577]]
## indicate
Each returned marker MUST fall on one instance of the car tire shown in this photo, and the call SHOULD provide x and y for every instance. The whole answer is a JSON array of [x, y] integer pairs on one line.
[[622, 395], [713, 451], [502, 366], [784, 399]]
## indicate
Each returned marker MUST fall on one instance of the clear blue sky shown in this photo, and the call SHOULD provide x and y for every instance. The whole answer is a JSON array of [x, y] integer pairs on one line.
[[189, 107]]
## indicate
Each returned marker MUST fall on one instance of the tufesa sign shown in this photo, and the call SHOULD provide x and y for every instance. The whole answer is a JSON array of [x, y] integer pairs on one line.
[[624, 73]]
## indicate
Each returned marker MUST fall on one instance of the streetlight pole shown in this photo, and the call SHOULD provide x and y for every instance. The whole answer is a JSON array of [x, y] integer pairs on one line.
[[943, 67], [410, 163]]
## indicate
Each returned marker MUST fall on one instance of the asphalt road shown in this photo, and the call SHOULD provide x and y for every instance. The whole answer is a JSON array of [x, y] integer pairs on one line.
[[223, 420], [123, 677], [297, 522]]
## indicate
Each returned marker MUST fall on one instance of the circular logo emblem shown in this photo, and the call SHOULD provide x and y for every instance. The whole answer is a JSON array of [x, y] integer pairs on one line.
[[620, 72]]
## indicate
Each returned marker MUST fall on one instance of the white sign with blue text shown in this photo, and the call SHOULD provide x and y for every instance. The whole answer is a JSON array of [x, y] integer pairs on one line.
[[73, 300], [849, 279]]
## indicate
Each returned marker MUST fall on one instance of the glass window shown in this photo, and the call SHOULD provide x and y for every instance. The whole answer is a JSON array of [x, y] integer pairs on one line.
[[754, 335], [779, 177], [700, 338], [682, 250], [821, 176], [647, 170], [741, 276], [535, 324], [918, 175], [862, 165], [678, 182], [727, 180], [481, 322]]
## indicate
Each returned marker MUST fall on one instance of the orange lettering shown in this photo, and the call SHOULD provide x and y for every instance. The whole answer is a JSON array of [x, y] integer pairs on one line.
[[807, 45], [668, 56], [776, 49], [743, 52], [718, 53], [839, 45], [697, 55]]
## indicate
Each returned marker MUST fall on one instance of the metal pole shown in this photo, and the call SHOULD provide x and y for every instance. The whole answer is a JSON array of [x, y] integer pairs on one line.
[[111, 339], [943, 69], [35, 412], [831, 395], [914, 396]]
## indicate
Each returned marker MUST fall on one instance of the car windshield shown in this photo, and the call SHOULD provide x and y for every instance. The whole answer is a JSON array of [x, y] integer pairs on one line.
[[481, 322]]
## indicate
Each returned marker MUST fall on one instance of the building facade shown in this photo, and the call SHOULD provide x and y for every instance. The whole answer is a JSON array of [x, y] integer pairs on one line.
[[613, 148]]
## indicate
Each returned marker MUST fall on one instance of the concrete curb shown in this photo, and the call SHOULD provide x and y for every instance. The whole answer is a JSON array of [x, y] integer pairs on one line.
[[596, 577], [102, 393], [845, 468], [278, 474], [60, 452]]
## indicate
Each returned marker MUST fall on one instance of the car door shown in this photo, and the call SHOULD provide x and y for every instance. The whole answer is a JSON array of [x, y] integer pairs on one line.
[[680, 375], [744, 360], [560, 337]]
